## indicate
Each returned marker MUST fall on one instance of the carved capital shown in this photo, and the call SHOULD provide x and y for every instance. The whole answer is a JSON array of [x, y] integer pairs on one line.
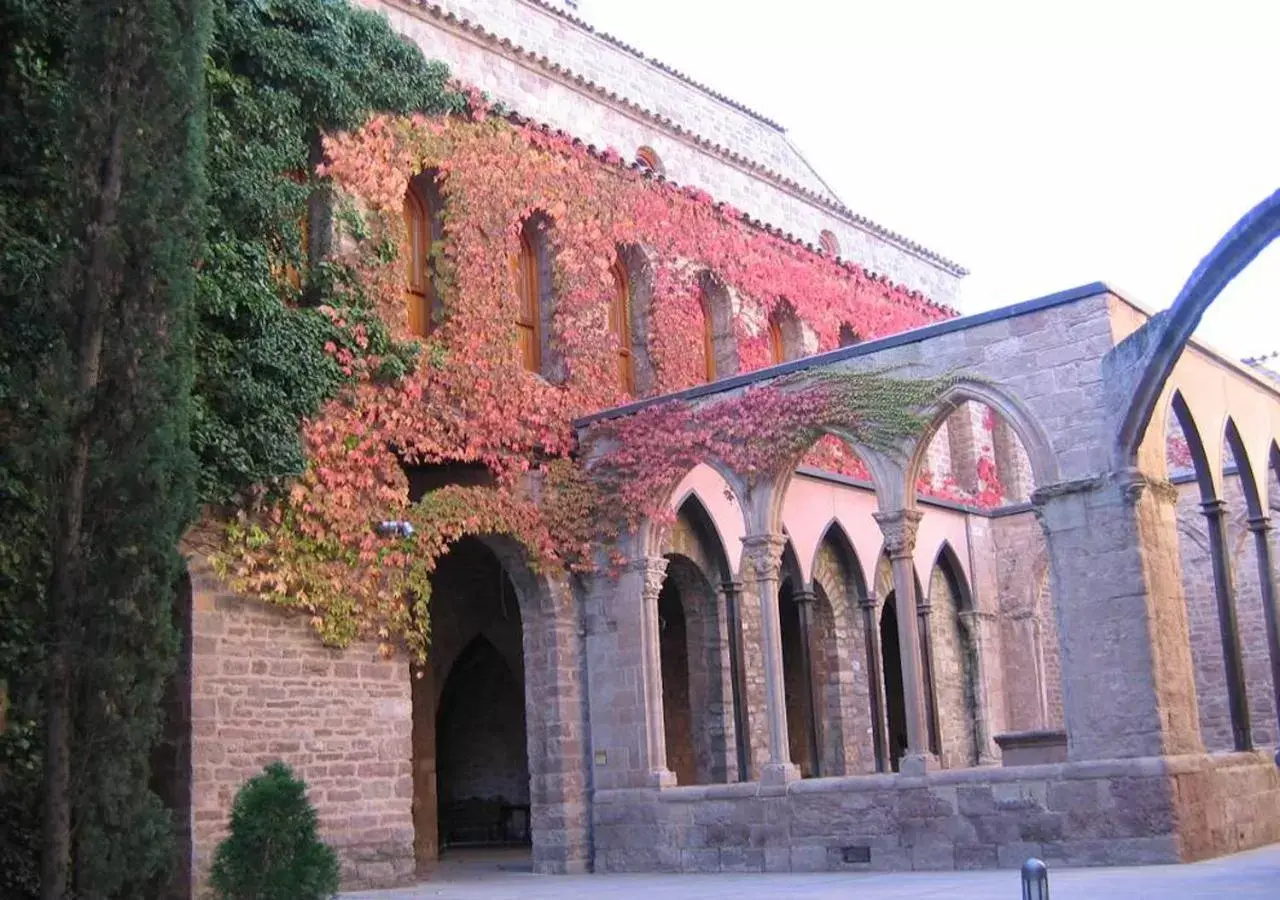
[[762, 554], [870, 602], [653, 570], [1260, 524], [1135, 483], [899, 529], [804, 597]]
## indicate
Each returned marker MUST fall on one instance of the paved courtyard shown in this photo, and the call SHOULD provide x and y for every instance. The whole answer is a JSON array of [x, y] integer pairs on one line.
[[1246, 876]]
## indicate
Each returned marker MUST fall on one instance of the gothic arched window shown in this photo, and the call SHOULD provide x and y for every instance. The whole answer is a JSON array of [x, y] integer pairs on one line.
[[620, 325], [419, 287], [528, 315]]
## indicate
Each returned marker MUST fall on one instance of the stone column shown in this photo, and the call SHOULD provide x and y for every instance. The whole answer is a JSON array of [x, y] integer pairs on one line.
[[1261, 528], [762, 556], [653, 570], [899, 528], [870, 607], [1215, 514], [979, 625], [732, 591], [804, 600], [1122, 616], [924, 620]]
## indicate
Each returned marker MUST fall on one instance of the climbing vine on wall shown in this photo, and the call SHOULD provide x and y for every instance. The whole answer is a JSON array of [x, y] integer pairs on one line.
[[466, 398]]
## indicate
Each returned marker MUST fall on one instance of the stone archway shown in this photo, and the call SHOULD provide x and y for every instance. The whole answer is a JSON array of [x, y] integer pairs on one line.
[[498, 749], [895, 699], [1146, 359]]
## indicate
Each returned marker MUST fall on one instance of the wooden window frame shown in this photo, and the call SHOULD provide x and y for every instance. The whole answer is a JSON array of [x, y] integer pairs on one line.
[[419, 287], [529, 311], [620, 325]]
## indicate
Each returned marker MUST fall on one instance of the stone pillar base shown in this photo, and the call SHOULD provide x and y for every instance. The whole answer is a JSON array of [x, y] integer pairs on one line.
[[661, 778], [779, 773], [918, 764]]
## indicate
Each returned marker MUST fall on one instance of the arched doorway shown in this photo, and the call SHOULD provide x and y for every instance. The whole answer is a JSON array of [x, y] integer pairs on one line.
[[470, 745], [895, 700], [482, 764], [677, 704]]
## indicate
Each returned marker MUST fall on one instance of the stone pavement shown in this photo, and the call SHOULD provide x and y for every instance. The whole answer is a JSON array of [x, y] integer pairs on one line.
[[1246, 876]]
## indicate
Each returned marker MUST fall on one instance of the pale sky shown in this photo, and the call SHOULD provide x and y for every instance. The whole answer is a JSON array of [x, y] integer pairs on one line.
[[1042, 145]]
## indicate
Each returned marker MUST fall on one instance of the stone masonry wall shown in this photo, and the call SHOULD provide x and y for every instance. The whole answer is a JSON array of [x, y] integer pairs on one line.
[[952, 675], [265, 689], [1202, 619], [1128, 812], [563, 103]]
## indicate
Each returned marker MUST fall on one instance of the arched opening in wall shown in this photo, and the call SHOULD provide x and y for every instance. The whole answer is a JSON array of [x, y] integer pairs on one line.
[[620, 327], [648, 160], [720, 344], [471, 776], [171, 757], [634, 266], [893, 671], [955, 661], [895, 699], [796, 615], [786, 339], [1205, 556], [698, 673], [846, 663], [423, 230], [832, 455], [1244, 504], [532, 272], [829, 243], [977, 459]]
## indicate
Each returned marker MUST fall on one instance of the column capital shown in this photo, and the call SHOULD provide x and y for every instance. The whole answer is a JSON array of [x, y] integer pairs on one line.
[[899, 529], [1260, 524], [804, 596], [1134, 482], [871, 602], [1214, 508], [763, 554], [732, 586], [653, 569]]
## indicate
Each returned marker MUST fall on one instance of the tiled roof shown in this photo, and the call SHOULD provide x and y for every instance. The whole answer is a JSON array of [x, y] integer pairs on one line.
[[563, 73], [605, 158]]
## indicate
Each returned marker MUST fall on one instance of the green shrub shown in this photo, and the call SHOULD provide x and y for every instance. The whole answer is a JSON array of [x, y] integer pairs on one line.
[[272, 852]]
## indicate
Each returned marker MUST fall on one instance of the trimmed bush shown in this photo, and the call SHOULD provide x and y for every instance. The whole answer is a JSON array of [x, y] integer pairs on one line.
[[272, 852]]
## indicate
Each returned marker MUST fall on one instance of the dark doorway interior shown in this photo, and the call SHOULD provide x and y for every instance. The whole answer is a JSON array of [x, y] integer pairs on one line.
[[481, 759], [677, 708], [895, 702]]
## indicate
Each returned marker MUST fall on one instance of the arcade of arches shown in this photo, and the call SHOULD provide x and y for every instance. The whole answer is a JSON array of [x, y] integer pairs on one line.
[[821, 669]]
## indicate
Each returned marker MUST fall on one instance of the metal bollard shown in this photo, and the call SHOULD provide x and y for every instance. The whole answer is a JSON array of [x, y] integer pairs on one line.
[[1035, 880]]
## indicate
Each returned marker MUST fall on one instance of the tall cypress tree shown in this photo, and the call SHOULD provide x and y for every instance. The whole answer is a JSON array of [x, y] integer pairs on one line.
[[105, 194]]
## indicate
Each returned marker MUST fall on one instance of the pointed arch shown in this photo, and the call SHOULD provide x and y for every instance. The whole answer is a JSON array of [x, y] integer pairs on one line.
[[693, 510], [947, 561], [835, 536], [1195, 444], [1244, 469]]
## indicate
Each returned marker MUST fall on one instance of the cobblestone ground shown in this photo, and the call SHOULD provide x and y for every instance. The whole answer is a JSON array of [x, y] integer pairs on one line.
[[1246, 876]]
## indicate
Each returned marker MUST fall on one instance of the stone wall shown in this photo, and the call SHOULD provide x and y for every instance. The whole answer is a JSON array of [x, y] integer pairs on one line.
[[1128, 812], [1202, 619], [953, 675], [561, 100], [265, 689]]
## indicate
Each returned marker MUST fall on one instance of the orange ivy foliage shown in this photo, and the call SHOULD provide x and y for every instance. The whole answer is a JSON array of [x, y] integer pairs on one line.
[[469, 399]]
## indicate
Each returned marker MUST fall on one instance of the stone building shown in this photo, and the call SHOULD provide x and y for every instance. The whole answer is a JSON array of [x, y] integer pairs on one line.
[[1044, 628]]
